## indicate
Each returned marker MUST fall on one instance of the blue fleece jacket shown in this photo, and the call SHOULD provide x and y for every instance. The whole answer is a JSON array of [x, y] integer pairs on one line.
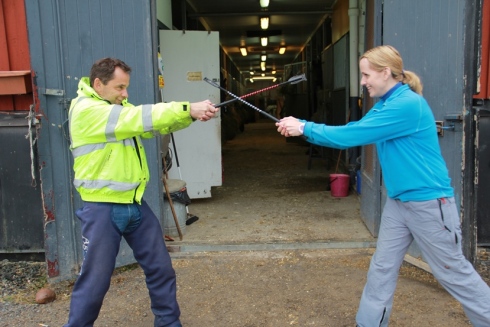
[[403, 128]]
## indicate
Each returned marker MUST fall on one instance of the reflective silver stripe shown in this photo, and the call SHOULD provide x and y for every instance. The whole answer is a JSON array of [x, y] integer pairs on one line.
[[112, 121], [84, 149], [71, 114], [147, 120], [129, 142], [99, 184]]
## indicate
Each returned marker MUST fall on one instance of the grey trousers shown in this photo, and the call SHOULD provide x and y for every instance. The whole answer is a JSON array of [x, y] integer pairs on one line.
[[435, 226]]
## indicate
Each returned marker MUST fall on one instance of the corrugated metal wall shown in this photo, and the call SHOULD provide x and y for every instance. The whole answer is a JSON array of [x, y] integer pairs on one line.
[[67, 36]]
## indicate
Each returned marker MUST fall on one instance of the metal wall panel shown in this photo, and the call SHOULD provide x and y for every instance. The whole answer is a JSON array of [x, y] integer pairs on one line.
[[483, 173], [341, 63], [327, 68], [21, 213], [67, 37]]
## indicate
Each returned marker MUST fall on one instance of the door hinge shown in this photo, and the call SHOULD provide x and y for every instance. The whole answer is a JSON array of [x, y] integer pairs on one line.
[[55, 92]]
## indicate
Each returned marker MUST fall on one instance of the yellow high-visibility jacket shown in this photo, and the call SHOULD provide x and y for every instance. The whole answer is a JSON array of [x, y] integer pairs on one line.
[[109, 159]]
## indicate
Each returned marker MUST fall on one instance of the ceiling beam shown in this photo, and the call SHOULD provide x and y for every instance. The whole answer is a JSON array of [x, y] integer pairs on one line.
[[265, 33]]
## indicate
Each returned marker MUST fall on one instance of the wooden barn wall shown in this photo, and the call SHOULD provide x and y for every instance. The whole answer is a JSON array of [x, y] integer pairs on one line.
[[14, 56]]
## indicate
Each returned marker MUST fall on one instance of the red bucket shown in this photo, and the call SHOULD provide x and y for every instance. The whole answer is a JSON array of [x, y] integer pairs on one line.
[[339, 185]]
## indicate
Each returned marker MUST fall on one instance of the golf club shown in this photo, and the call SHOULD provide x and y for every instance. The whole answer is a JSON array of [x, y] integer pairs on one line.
[[241, 100]]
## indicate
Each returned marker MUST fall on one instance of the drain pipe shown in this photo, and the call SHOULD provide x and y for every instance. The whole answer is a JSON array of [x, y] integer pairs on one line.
[[353, 59], [355, 112]]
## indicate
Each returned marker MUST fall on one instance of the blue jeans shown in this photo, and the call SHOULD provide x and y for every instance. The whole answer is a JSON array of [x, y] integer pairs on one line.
[[103, 225], [126, 217]]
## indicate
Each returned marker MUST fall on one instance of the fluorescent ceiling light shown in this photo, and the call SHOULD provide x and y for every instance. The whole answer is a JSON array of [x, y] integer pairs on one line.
[[243, 50], [263, 41], [263, 57], [282, 50], [264, 3], [273, 72], [262, 65], [251, 80], [264, 23], [265, 78]]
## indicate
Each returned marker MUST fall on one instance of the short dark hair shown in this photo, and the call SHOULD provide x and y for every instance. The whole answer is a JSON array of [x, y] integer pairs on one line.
[[103, 69]]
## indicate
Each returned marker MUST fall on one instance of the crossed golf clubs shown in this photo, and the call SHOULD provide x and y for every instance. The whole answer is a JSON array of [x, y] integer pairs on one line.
[[292, 80]]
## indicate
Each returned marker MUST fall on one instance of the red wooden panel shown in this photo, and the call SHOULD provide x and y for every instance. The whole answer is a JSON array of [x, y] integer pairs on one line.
[[485, 54], [16, 26], [14, 50], [4, 57]]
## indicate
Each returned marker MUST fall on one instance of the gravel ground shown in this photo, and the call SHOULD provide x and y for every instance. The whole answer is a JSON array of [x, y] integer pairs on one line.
[[19, 277], [240, 289]]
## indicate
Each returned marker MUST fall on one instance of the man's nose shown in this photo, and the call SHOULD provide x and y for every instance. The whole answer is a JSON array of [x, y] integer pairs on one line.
[[125, 93]]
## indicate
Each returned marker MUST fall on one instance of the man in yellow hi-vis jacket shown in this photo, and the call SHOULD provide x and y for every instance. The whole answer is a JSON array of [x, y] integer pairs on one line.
[[111, 174]]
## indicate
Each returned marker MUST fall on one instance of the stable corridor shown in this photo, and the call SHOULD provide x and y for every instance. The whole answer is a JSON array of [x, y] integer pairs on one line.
[[271, 200]]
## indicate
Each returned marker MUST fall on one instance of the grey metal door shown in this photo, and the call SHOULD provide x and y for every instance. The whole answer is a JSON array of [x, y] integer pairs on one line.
[[65, 38], [429, 36]]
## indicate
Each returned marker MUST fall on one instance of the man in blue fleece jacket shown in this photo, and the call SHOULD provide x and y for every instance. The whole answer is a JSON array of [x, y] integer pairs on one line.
[[420, 203]]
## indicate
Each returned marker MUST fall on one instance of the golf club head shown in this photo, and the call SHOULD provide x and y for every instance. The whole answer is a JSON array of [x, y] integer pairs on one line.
[[296, 79]]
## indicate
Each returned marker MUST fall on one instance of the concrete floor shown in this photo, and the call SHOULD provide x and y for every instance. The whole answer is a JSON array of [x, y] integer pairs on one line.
[[269, 199]]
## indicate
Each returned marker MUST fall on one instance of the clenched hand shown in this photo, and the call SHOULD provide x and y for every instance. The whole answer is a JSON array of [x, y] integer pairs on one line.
[[289, 126], [203, 110]]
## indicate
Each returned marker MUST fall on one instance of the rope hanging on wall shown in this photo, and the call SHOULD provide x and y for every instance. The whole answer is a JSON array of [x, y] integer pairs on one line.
[[32, 123]]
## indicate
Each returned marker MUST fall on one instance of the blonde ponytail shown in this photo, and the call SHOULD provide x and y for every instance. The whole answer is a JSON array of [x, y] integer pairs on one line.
[[412, 80]]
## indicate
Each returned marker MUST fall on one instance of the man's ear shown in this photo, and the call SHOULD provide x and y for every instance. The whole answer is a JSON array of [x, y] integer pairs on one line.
[[97, 84]]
